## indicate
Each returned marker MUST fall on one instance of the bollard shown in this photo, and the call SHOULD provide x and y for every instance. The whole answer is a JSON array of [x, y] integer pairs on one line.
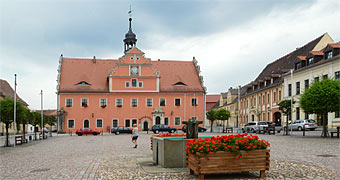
[[304, 129]]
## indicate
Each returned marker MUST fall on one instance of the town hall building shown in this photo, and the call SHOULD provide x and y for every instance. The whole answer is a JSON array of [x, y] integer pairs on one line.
[[133, 89]]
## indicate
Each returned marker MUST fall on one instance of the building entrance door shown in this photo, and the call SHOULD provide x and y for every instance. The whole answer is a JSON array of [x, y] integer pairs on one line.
[[145, 125], [86, 124], [158, 120]]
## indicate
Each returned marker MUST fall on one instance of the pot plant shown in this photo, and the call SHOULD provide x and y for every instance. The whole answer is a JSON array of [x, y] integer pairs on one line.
[[230, 153]]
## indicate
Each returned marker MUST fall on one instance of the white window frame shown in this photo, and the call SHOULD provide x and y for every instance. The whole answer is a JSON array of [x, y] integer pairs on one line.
[[66, 102], [116, 102], [160, 101], [116, 120], [146, 102], [175, 121], [81, 102], [168, 121], [68, 123], [100, 101], [194, 117], [132, 83], [97, 122], [125, 122], [180, 101], [127, 82], [131, 102], [139, 85], [196, 101], [132, 121]]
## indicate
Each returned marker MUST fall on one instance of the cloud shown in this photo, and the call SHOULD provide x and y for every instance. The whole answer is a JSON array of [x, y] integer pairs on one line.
[[232, 41], [237, 55]]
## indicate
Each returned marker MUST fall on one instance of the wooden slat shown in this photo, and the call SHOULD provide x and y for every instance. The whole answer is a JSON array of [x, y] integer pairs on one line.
[[222, 162]]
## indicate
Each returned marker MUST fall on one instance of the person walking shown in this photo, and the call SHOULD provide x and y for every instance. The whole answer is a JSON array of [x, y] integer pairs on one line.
[[134, 135]]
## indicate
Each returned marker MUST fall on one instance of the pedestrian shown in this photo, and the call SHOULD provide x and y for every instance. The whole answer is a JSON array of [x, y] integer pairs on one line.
[[134, 135]]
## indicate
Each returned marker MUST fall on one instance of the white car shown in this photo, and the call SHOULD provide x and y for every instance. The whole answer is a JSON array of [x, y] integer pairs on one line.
[[254, 126]]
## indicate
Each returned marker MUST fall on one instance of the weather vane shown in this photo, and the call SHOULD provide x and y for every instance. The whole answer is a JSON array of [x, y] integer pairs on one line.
[[130, 12]]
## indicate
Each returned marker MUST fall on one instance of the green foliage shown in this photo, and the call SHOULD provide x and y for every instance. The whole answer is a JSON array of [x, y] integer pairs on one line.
[[322, 97], [211, 115], [7, 111], [222, 114], [50, 120], [35, 118], [285, 106]]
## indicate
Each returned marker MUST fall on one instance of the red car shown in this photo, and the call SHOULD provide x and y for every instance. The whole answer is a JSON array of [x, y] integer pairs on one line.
[[86, 131]]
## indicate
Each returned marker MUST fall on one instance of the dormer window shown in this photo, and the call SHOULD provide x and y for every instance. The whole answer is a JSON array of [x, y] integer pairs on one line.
[[179, 84], [310, 60], [297, 65], [329, 54], [83, 83]]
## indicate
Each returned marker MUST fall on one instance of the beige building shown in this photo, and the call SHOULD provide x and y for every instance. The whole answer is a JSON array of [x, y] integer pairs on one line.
[[259, 99], [315, 65]]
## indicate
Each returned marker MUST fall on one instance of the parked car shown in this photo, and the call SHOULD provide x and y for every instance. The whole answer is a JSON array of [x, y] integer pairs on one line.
[[254, 126], [200, 129], [85, 131], [121, 129], [45, 130], [300, 124], [278, 127], [162, 128]]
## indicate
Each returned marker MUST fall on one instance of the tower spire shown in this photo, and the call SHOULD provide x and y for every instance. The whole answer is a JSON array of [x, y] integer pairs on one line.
[[130, 37]]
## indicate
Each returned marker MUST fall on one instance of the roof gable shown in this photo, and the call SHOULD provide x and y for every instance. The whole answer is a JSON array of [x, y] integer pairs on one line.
[[6, 91]]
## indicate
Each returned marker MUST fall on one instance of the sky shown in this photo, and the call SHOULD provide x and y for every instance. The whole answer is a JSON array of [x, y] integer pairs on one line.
[[233, 40]]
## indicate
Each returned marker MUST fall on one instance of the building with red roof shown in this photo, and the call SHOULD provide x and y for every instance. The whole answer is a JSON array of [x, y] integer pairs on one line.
[[133, 89]]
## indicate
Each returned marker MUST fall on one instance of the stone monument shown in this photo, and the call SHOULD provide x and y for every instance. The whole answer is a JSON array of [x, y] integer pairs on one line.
[[192, 128]]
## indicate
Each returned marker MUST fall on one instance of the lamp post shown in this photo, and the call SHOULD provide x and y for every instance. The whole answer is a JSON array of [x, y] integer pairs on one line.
[[238, 108], [15, 106], [42, 114], [291, 102]]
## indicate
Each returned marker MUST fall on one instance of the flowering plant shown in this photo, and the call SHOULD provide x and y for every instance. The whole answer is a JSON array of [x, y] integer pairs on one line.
[[238, 144], [168, 135]]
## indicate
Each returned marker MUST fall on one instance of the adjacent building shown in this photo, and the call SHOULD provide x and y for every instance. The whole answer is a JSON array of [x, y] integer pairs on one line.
[[6, 91], [313, 66], [133, 89], [259, 99]]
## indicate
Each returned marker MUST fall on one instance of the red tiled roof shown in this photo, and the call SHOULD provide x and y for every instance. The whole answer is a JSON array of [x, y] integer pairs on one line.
[[335, 45], [7, 91], [74, 70], [301, 57], [316, 53], [212, 98], [49, 112], [287, 61]]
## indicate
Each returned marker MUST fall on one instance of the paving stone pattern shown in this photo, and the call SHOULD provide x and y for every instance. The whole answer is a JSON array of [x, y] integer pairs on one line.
[[113, 157]]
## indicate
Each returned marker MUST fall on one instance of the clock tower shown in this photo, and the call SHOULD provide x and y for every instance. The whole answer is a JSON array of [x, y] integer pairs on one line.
[[130, 38]]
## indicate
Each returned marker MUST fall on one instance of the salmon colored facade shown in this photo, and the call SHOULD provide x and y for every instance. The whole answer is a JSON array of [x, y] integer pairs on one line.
[[104, 93]]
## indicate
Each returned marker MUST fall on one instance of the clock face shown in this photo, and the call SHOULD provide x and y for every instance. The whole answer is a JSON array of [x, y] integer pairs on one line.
[[134, 70]]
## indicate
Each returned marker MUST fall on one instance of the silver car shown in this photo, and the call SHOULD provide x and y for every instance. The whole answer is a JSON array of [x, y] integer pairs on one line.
[[254, 126], [300, 124]]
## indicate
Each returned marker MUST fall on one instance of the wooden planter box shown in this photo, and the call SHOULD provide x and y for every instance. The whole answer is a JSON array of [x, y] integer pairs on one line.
[[225, 162]]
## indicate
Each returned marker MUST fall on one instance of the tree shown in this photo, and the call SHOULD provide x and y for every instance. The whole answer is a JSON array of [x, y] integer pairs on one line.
[[285, 107], [321, 98], [211, 115], [7, 114], [223, 115]]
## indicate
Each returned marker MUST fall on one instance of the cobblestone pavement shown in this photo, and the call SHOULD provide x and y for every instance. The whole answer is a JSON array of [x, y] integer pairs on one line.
[[112, 157]]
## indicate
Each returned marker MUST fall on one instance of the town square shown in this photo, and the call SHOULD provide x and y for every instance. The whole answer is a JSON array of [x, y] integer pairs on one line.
[[169, 89]]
